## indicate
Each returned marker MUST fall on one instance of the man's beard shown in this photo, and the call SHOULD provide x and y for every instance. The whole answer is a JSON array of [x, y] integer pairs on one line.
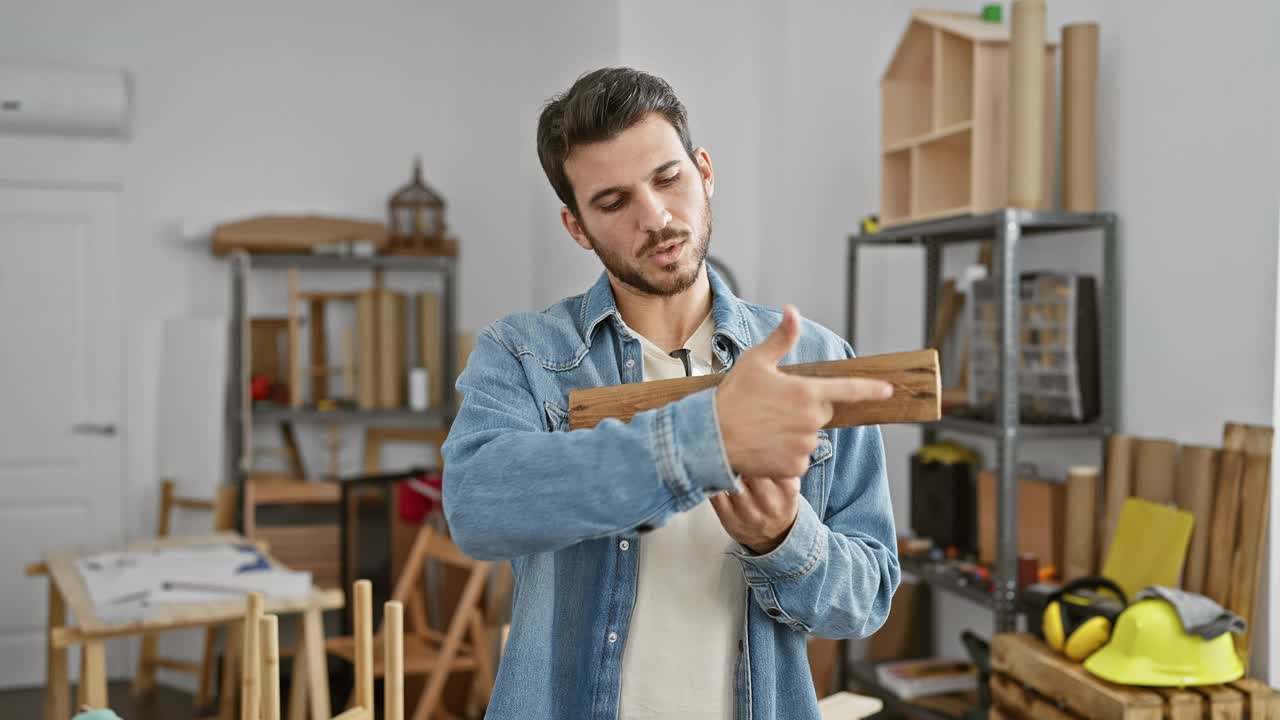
[[672, 282]]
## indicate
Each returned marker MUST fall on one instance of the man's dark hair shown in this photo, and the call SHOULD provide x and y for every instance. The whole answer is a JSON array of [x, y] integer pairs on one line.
[[598, 107]]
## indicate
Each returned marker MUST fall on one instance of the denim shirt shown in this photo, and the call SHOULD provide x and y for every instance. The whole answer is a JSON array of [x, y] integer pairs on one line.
[[570, 510]]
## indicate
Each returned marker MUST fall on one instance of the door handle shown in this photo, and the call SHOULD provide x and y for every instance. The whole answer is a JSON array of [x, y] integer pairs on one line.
[[103, 429]]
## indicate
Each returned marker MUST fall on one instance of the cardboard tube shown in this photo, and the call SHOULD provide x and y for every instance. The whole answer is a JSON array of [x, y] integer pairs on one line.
[[1197, 468], [1080, 555], [1080, 117], [1026, 104], [1155, 470], [1119, 469]]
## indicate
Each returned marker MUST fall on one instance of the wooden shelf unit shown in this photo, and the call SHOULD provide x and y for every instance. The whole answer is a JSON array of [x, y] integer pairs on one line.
[[944, 120]]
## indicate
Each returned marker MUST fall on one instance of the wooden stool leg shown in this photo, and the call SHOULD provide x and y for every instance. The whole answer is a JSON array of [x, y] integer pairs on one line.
[[93, 674], [250, 662], [362, 608], [56, 685], [393, 660], [298, 688], [484, 675], [269, 632], [145, 678], [230, 670], [204, 690], [317, 674]]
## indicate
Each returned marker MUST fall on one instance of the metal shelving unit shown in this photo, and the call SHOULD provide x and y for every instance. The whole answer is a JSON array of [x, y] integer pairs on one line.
[[1007, 229], [243, 414]]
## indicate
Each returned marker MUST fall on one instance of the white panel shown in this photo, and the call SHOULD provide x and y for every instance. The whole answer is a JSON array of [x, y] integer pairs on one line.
[[42, 323]]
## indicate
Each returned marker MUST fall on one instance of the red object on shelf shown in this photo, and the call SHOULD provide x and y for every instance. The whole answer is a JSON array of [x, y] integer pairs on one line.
[[420, 497], [1028, 569], [260, 387]]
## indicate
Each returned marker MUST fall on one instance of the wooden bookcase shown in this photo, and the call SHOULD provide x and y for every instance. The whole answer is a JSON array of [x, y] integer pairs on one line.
[[945, 117]]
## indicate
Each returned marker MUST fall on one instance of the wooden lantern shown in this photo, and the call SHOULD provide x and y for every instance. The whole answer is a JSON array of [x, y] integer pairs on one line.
[[416, 220]]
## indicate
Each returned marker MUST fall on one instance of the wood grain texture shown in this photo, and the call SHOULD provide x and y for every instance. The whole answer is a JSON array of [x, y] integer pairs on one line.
[[914, 375], [1223, 532], [293, 234], [1197, 473], [1012, 697], [1246, 564], [1119, 482], [1155, 470], [1033, 664]]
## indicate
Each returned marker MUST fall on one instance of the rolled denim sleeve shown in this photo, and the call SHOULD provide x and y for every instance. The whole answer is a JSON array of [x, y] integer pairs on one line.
[[512, 488], [834, 576]]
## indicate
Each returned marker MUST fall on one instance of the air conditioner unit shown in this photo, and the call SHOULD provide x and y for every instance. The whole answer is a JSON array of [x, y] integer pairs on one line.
[[47, 99]]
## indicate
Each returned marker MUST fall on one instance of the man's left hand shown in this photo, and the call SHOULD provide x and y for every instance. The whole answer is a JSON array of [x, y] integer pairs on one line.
[[760, 516]]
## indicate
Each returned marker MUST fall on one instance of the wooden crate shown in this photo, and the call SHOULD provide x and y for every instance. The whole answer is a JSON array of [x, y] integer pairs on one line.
[[1029, 681]]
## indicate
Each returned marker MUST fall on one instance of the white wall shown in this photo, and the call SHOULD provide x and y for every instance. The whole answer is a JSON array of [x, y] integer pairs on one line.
[[245, 108]]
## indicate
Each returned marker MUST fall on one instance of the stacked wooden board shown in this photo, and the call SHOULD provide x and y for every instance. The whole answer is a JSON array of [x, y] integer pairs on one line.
[[1029, 680], [1226, 490]]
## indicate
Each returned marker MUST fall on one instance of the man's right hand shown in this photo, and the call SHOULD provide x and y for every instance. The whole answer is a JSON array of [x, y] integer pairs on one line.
[[769, 420]]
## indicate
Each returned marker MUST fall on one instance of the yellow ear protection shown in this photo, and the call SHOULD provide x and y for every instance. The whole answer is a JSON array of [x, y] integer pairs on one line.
[[1077, 626]]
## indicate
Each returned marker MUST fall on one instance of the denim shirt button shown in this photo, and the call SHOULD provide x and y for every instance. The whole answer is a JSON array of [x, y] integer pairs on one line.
[[773, 612], [624, 546], [630, 363], [613, 637]]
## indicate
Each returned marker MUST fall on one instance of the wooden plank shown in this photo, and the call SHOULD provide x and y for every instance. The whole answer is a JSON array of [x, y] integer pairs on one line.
[[1223, 532], [1254, 507], [322, 492], [1222, 702], [1197, 470], [1119, 472], [1261, 702], [1181, 704], [295, 342], [319, 349], [914, 375], [430, 346], [1067, 684], [391, 349], [366, 350], [1155, 470], [294, 234], [1008, 694]]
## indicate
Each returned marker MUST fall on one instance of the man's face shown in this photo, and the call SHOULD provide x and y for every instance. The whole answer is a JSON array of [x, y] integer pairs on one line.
[[645, 206]]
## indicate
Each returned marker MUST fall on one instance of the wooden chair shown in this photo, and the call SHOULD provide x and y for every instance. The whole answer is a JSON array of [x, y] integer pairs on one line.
[[260, 674], [312, 547], [427, 652], [149, 660]]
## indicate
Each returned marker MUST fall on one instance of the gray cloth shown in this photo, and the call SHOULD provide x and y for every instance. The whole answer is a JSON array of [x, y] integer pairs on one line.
[[1200, 615]]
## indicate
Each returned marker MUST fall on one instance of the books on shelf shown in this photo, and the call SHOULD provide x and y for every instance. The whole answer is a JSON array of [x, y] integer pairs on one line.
[[910, 679]]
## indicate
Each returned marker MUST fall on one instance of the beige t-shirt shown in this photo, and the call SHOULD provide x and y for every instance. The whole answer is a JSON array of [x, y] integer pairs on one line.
[[682, 645]]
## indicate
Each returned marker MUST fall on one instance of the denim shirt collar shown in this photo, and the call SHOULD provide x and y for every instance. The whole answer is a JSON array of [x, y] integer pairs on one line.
[[726, 310]]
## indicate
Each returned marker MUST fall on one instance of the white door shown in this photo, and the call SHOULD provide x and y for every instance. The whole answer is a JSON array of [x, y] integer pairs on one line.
[[61, 479]]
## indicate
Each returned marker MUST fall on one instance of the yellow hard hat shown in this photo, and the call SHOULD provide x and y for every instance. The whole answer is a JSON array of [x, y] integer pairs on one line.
[[1150, 647]]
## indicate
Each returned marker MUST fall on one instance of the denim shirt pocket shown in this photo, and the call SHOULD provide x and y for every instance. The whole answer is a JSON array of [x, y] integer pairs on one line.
[[816, 481], [557, 419]]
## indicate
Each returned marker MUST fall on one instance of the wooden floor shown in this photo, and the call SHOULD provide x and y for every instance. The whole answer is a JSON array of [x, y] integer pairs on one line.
[[164, 704]]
